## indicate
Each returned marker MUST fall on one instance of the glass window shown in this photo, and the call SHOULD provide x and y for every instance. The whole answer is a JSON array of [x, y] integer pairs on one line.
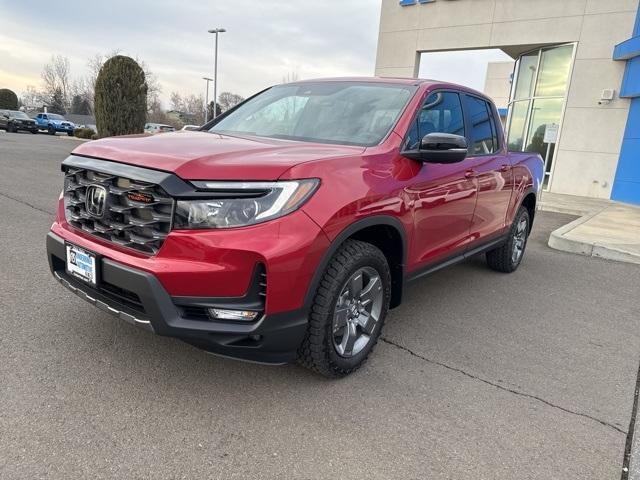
[[545, 112], [554, 71], [440, 113], [515, 139], [350, 113], [481, 130], [526, 68]]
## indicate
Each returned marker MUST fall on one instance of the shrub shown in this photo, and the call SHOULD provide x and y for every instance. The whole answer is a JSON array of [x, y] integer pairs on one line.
[[120, 97], [8, 99], [83, 132]]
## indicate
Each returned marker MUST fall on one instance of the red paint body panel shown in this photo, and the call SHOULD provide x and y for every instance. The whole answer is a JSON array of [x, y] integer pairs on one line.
[[443, 210], [207, 156]]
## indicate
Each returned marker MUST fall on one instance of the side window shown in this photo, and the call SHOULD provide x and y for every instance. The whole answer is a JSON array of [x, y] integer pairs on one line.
[[44, 117], [441, 112], [483, 131]]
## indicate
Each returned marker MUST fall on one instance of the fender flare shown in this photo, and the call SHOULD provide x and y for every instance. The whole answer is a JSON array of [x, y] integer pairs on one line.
[[347, 232]]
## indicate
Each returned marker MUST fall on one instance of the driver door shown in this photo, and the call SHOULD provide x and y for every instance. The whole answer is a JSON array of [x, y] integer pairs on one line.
[[443, 196]]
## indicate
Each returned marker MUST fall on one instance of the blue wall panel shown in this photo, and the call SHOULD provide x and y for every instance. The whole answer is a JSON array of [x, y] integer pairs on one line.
[[626, 185]]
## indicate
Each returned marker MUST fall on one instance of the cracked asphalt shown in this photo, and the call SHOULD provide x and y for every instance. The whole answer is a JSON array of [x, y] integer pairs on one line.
[[479, 375]]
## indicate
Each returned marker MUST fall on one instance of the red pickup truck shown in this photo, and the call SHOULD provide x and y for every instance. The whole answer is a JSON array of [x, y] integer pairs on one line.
[[288, 226]]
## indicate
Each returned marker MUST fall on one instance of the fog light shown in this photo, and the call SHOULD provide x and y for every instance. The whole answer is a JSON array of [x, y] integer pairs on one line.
[[224, 314]]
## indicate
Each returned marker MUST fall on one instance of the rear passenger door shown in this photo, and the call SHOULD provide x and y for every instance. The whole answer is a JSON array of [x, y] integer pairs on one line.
[[489, 162]]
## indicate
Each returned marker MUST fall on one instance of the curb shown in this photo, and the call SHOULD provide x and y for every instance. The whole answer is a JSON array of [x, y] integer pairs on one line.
[[558, 241]]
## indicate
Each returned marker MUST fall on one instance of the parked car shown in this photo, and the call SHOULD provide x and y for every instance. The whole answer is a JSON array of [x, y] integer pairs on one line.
[[191, 128], [53, 123], [154, 128], [14, 121], [289, 228]]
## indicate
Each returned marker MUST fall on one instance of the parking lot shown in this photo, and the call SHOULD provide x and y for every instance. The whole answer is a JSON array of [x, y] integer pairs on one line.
[[479, 375]]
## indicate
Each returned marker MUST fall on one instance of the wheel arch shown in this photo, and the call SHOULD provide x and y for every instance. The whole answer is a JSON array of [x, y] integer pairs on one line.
[[383, 231]]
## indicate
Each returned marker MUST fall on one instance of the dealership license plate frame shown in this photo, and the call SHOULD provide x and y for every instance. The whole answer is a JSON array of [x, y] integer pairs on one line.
[[72, 269]]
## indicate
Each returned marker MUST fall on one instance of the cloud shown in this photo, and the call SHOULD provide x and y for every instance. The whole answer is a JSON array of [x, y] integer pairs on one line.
[[265, 40]]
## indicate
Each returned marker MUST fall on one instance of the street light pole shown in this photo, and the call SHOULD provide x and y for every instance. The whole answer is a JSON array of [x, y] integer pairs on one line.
[[206, 108], [215, 71]]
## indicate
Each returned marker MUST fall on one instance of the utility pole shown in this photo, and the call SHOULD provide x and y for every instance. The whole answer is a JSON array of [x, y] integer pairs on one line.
[[206, 108]]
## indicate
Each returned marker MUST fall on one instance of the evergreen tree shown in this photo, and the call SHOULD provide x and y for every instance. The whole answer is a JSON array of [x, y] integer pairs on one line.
[[8, 99], [120, 97]]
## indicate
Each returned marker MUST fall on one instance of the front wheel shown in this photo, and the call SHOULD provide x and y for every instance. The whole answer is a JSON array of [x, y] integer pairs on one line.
[[348, 310], [51, 130], [508, 256], [70, 134]]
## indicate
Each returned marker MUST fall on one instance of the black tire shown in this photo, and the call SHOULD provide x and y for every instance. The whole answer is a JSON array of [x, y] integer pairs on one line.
[[318, 351], [504, 259], [51, 130], [34, 131], [10, 129], [70, 134]]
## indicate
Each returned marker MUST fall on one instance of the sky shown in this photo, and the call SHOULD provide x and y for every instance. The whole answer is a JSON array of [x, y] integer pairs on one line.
[[266, 41]]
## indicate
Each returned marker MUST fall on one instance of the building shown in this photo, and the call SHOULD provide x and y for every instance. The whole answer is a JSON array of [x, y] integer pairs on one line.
[[575, 91]]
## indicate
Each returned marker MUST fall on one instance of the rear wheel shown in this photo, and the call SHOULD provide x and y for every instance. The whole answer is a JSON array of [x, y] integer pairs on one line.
[[348, 310], [508, 256]]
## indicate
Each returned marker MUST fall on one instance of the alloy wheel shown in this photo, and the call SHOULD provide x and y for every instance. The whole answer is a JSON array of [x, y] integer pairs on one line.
[[357, 312], [519, 240]]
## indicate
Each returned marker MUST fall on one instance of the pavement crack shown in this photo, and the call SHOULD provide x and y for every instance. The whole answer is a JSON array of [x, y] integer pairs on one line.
[[26, 203], [501, 387]]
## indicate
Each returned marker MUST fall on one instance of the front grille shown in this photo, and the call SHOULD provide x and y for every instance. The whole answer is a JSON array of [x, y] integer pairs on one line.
[[141, 222]]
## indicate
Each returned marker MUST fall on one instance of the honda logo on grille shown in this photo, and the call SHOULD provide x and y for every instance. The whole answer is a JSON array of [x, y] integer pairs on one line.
[[96, 200]]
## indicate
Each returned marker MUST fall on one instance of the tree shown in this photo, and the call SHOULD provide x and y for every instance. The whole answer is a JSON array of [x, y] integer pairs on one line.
[[56, 104], [210, 110], [8, 99], [80, 105], [55, 76], [87, 84], [121, 97], [175, 101], [228, 100]]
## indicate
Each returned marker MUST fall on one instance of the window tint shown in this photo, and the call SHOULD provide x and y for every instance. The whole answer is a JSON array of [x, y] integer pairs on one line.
[[482, 131], [440, 113]]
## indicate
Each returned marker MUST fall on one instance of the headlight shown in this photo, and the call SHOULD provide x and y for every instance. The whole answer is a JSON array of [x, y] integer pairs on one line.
[[238, 204]]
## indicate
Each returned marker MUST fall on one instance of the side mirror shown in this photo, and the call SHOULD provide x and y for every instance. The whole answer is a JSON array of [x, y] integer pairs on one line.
[[440, 148]]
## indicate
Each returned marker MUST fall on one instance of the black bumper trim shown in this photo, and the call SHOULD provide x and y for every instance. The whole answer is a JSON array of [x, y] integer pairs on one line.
[[271, 339]]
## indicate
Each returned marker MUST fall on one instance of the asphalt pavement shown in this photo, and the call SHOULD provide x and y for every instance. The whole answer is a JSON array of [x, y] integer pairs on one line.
[[479, 375]]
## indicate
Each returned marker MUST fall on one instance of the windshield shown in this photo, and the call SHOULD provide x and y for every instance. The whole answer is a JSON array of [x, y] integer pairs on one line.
[[350, 113], [16, 114], [55, 116]]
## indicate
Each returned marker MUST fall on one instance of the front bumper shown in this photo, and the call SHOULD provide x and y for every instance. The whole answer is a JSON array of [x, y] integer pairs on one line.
[[138, 297]]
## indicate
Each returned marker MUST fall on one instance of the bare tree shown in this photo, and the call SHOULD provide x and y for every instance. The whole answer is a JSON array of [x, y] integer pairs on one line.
[[176, 102], [32, 99], [229, 100], [195, 105], [55, 76]]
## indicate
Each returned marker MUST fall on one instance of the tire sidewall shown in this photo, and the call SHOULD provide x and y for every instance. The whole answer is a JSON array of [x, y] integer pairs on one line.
[[381, 266]]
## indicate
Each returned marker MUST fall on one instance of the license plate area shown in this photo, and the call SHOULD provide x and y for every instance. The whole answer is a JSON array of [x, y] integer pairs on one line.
[[82, 264]]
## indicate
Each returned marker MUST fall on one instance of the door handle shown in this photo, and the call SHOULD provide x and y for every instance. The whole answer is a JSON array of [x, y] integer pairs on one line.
[[505, 168], [469, 174]]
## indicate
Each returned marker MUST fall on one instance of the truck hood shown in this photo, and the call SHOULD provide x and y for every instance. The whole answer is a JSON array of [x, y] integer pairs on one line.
[[210, 156]]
